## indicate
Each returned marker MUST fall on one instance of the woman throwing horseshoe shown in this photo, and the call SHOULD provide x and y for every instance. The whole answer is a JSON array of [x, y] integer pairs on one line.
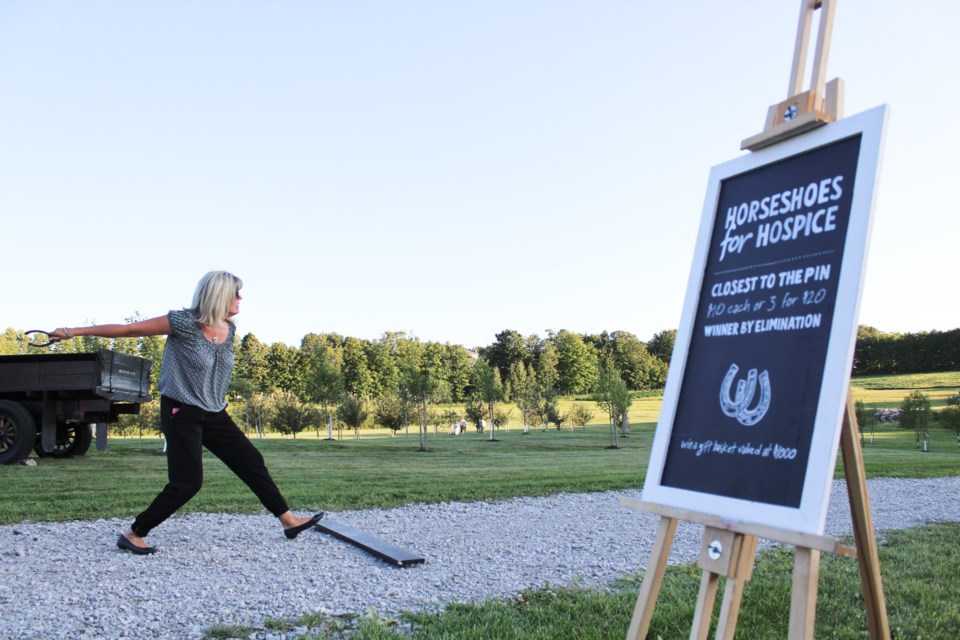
[[197, 365]]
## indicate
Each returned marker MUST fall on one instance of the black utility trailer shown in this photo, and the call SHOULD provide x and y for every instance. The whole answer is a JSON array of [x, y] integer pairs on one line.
[[48, 402]]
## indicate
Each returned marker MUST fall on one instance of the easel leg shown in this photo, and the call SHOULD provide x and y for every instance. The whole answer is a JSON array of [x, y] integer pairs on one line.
[[803, 597], [729, 554], [733, 591], [875, 604], [704, 611], [652, 579]]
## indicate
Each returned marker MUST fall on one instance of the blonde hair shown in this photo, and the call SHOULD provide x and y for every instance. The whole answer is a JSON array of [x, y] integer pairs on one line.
[[213, 297]]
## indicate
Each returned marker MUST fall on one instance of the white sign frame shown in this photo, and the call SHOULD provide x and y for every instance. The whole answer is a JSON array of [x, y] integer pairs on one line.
[[810, 517]]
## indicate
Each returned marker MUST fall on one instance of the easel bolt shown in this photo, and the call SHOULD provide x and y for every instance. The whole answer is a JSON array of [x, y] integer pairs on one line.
[[715, 549]]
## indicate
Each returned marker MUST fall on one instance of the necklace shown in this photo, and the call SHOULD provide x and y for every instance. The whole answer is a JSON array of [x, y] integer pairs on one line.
[[216, 334]]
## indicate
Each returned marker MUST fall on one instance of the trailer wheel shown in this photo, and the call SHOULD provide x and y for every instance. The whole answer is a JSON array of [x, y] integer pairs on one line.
[[72, 440], [18, 432]]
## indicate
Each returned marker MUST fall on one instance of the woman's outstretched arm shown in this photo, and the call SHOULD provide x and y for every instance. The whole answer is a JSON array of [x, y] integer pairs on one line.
[[159, 326]]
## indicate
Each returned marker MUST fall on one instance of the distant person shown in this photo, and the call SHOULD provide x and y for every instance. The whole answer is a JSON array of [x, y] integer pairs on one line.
[[482, 426], [197, 365], [463, 426]]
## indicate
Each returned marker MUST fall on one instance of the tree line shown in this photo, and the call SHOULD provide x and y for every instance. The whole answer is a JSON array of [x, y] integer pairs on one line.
[[571, 362], [396, 379], [878, 352]]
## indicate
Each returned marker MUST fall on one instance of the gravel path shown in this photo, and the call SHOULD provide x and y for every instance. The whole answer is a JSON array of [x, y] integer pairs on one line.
[[68, 580]]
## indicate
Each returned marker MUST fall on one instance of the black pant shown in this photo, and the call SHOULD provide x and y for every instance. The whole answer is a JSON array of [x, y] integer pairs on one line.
[[188, 429]]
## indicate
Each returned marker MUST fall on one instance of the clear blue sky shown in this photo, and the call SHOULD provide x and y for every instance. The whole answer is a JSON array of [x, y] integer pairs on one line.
[[447, 168]]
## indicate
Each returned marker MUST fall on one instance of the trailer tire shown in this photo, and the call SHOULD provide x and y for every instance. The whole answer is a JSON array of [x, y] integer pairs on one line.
[[72, 440], [18, 432]]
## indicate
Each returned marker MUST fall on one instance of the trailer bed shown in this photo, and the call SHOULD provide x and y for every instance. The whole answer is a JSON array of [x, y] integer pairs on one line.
[[54, 397], [104, 374]]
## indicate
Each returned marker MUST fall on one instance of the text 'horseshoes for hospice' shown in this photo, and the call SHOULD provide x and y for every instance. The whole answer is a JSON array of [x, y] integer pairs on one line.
[[759, 376]]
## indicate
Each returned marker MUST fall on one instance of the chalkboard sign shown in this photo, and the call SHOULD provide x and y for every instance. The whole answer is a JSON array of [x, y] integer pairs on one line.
[[760, 372]]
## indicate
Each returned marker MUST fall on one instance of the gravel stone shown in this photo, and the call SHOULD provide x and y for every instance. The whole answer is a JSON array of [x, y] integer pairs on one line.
[[69, 580]]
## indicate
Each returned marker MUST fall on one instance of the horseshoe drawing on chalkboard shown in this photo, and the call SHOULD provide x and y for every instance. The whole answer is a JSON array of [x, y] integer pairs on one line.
[[739, 406]]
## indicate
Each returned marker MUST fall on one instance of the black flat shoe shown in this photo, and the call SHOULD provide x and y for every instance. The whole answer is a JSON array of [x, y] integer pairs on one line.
[[293, 532], [123, 543]]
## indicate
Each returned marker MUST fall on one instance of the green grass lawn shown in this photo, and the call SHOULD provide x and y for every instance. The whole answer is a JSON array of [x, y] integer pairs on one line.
[[921, 567], [379, 471], [887, 392], [374, 471]]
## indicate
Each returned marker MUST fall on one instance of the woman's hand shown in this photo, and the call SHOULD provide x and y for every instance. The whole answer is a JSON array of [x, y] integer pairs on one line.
[[58, 334]]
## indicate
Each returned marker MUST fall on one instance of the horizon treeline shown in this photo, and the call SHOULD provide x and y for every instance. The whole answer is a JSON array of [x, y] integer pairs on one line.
[[563, 361], [882, 353]]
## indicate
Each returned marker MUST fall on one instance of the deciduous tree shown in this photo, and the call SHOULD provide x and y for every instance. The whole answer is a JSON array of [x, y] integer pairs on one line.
[[251, 362], [661, 345], [390, 413], [353, 412], [526, 393], [289, 416], [357, 378], [323, 376], [577, 364], [950, 416], [915, 413], [579, 415], [421, 378], [508, 349], [613, 397], [489, 389]]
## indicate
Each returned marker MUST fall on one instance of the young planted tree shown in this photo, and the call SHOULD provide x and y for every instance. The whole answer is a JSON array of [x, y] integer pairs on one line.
[[526, 393], [544, 409], [950, 416], [613, 397], [502, 417], [489, 389], [324, 378], [257, 412], [289, 415], [554, 416], [475, 412], [437, 419], [579, 415], [390, 413], [865, 420], [313, 416], [353, 413], [421, 378], [915, 413]]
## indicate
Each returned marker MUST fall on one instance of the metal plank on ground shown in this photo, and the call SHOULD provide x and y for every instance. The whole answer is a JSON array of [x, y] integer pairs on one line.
[[383, 550]]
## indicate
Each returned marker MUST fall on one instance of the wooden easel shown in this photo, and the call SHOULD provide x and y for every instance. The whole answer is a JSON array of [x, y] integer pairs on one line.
[[729, 548], [822, 102]]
